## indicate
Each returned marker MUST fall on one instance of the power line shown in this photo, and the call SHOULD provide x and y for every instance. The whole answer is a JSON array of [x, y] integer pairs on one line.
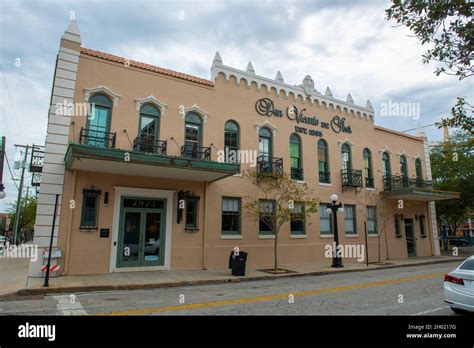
[[428, 125], [10, 170]]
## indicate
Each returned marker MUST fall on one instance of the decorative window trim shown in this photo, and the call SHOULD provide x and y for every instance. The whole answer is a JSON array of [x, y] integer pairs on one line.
[[102, 89], [402, 153], [346, 141], [385, 149], [151, 99], [195, 108], [266, 124]]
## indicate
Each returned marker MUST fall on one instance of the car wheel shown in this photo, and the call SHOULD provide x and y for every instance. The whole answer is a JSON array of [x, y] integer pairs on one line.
[[458, 311]]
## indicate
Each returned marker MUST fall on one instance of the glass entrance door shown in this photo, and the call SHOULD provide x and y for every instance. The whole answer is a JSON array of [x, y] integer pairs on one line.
[[141, 233], [410, 236]]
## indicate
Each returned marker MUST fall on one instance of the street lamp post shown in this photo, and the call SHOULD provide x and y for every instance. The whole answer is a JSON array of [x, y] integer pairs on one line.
[[334, 208]]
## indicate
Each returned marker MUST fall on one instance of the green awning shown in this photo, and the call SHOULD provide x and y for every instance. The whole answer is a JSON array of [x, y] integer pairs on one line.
[[105, 160], [422, 195]]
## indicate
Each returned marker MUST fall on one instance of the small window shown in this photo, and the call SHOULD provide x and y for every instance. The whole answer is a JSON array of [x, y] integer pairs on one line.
[[90, 209], [368, 172], [371, 220], [346, 158], [230, 216], [192, 213], [419, 170], [295, 157], [421, 220], [297, 220], [398, 231], [231, 141], [325, 225], [323, 166], [266, 218], [350, 219]]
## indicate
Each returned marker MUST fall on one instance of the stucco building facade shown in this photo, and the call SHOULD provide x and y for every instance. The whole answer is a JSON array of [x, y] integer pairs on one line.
[[142, 184]]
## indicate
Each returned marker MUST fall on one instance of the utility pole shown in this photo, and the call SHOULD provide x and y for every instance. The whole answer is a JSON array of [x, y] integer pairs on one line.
[[20, 191]]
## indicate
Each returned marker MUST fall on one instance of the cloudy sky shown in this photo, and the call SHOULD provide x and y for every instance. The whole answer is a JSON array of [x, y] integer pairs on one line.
[[347, 45]]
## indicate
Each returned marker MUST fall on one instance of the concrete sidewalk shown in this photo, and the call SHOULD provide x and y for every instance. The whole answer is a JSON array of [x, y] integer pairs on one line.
[[157, 279], [13, 274]]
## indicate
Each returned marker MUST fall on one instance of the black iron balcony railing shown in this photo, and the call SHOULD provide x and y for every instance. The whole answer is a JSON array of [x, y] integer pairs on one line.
[[297, 173], [369, 182], [402, 182], [324, 177], [97, 138], [37, 157], [351, 177], [269, 166], [149, 145], [197, 152]]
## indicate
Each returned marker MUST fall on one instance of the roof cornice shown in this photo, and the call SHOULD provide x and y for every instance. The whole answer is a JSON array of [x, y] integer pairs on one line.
[[307, 93]]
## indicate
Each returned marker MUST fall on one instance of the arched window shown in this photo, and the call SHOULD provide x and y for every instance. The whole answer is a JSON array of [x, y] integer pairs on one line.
[[295, 157], [419, 170], [98, 123], [192, 135], [386, 171], [323, 165], [265, 146], [404, 170], [148, 134], [346, 158], [231, 141], [368, 171]]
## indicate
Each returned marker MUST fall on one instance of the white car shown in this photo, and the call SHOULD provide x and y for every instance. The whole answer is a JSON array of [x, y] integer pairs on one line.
[[459, 287]]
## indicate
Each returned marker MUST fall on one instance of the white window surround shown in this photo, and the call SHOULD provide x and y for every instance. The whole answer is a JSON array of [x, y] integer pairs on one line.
[[325, 184], [102, 89], [402, 153], [194, 108], [151, 99], [119, 192], [269, 236], [229, 236], [345, 141], [266, 124], [385, 149], [298, 236], [351, 235], [326, 236]]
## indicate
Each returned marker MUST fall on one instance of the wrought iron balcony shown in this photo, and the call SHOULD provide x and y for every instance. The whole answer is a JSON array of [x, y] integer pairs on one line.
[[351, 177], [150, 145], [297, 173], [369, 182], [37, 157], [324, 177], [269, 166], [196, 152], [97, 138], [402, 182]]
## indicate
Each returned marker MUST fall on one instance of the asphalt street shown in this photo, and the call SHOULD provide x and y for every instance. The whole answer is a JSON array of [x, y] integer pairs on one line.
[[398, 291]]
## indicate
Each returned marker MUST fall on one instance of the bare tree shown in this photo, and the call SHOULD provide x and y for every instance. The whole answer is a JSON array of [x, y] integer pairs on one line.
[[281, 199]]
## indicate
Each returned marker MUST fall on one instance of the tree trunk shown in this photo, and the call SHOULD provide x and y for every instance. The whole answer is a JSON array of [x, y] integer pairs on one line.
[[275, 252]]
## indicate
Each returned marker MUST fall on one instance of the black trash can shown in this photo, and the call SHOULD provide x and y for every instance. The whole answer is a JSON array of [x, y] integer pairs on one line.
[[237, 263]]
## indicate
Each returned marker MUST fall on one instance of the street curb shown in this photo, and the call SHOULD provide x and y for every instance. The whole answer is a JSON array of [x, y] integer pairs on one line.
[[75, 289]]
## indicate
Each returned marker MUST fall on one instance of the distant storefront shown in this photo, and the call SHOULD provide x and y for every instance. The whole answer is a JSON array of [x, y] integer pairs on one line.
[[145, 183]]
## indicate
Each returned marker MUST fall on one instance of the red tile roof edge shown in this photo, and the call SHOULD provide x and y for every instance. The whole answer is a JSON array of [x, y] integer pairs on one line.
[[144, 66]]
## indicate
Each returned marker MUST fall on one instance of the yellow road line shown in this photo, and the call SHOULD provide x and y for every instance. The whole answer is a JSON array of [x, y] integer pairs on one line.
[[274, 296]]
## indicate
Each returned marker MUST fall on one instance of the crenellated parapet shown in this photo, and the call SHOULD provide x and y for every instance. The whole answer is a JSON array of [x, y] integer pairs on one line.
[[305, 91]]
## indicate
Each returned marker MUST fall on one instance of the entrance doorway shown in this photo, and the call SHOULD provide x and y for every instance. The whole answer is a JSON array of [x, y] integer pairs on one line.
[[141, 238], [410, 236]]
